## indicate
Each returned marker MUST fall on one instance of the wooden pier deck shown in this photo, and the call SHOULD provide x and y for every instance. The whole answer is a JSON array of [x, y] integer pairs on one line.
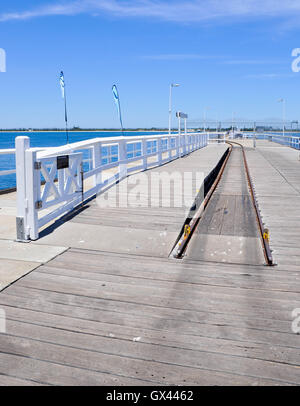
[[110, 307]]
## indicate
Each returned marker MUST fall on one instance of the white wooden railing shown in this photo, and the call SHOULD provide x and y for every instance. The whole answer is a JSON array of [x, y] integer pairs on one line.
[[7, 152], [53, 181], [287, 140], [290, 141]]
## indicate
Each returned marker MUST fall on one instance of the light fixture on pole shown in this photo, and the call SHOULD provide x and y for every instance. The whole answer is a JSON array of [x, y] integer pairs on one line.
[[170, 104], [283, 115]]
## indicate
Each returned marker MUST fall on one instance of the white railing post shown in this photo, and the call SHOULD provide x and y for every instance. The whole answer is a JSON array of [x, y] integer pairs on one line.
[[97, 161], [144, 153], [33, 183], [169, 147], [22, 144], [178, 154], [187, 144], [159, 149], [184, 145], [122, 158]]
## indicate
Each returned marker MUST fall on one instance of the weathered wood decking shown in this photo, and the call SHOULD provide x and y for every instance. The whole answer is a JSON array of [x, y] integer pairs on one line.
[[108, 311]]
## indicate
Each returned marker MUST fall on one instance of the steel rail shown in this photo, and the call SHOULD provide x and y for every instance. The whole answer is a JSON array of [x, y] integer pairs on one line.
[[182, 243], [186, 235], [264, 233]]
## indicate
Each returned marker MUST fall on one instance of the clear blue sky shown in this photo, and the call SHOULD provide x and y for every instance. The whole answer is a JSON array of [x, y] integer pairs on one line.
[[232, 55]]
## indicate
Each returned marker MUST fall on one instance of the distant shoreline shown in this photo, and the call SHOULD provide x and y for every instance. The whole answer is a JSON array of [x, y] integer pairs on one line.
[[78, 131]]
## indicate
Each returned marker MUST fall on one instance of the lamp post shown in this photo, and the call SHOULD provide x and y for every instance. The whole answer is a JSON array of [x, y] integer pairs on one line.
[[170, 104], [283, 114], [205, 117]]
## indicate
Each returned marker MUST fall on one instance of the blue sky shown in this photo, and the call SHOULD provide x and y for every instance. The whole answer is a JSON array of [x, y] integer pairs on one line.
[[230, 56]]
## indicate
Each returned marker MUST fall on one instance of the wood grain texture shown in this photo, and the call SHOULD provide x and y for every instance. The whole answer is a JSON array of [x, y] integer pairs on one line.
[[94, 316]]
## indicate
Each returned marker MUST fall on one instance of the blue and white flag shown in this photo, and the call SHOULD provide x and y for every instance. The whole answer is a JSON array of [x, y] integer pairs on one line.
[[117, 101], [62, 83]]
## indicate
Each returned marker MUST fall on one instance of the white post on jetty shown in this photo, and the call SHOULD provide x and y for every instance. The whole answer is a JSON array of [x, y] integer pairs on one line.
[[27, 190], [178, 115], [170, 105], [181, 115], [22, 144]]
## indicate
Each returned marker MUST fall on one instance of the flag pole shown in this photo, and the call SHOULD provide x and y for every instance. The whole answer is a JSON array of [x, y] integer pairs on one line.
[[63, 90], [66, 118], [117, 101]]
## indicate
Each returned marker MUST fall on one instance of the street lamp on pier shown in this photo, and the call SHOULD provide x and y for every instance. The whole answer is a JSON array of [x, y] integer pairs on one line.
[[283, 114], [170, 104]]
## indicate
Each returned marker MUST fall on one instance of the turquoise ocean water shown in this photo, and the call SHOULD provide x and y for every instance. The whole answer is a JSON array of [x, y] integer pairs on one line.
[[48, 139]]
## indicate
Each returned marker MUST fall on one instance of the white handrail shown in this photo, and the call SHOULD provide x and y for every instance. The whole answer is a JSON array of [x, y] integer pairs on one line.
[[8, 151], [64, 176], [12, 151], [288, 140]]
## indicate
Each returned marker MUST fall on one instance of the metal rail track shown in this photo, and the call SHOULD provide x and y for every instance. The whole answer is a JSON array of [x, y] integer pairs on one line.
[[264, 232], [184, 239], [182, 243]]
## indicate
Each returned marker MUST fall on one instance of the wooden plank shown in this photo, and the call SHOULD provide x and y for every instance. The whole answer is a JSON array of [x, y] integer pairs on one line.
[[51, 373], [6, 380], [247, 305], [138, 286], [138, 314], [83, 336], [210, 325], [162, 266], [169, 370], [246, 281]]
